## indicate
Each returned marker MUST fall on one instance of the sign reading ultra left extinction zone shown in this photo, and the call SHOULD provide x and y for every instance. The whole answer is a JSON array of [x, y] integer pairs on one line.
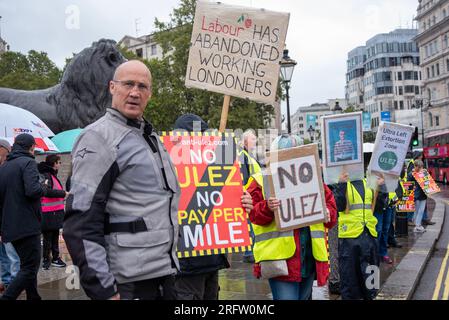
[[390, 148], [210, 215], [236, 51]]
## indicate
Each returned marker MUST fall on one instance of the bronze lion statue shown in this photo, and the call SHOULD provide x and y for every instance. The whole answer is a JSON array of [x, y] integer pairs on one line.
[[81, 97]]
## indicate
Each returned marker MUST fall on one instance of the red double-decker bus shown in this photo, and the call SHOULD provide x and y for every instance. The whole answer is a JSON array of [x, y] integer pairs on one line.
[[437, 161]]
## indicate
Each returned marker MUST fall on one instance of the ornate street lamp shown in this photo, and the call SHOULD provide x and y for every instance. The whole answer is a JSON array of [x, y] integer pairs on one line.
[[311, 132], [287, 67]]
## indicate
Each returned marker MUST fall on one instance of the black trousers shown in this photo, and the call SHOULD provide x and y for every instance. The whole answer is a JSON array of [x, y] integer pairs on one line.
[[152, 289], [391, 235], [197, 287], [358, 262], [29, 252], [51, 244]]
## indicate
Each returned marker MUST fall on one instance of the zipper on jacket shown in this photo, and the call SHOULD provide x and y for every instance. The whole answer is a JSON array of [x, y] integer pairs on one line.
[[174, 235]]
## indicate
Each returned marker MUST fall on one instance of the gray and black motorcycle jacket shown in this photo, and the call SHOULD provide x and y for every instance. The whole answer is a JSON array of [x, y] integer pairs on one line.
[[121, 215]]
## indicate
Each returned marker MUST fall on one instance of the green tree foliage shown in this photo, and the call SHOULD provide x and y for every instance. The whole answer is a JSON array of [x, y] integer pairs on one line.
[[28, 72], [350, 108], [170, 96], [369, 136]]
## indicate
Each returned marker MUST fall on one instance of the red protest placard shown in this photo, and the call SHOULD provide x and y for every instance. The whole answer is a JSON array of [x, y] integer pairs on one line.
[[407, 202], [426, 182], [210, 216]]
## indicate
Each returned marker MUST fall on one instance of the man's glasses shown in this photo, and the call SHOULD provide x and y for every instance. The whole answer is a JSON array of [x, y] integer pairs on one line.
[[129, 85]]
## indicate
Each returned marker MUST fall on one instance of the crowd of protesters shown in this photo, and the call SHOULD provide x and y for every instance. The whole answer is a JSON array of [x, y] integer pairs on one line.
[[120, 223]]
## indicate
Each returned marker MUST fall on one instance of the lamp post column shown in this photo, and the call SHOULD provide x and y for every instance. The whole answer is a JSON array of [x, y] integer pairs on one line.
[[422, 126], [289, 129]]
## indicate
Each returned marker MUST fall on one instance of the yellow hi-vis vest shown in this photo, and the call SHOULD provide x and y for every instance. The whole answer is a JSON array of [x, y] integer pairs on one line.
[[404, 178], [392, 197], [253, 165], [271, 244], [358, 214]]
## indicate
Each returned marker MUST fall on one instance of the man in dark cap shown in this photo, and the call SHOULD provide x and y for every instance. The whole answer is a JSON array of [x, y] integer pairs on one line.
[[20, 218]]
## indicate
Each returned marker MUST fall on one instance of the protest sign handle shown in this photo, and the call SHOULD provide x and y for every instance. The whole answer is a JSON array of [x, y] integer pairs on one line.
[[224, 113]]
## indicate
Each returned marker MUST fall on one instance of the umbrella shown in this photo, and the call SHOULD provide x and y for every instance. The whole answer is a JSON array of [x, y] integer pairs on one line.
[[42, 144], [14, 121], [66, 139]]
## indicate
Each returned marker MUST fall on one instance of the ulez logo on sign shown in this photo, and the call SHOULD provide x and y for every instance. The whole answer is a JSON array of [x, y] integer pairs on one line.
[[387, 160]]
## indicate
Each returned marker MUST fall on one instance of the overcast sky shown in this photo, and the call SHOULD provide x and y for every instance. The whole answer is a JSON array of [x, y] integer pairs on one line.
[[320, 34]]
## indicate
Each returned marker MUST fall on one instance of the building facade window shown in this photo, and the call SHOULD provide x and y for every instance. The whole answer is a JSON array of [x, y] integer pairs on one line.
[[153, 49], [409, 89], [408, 75], [438, 69], [139, 53], [437, 121]]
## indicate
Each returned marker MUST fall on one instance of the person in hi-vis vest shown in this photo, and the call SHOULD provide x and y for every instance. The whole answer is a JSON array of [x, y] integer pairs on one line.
[[303, 250], [52, 211], [249, 167], [357, 246]]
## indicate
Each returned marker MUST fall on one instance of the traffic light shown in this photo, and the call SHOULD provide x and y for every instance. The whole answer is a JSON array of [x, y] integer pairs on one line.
[[415, 140]]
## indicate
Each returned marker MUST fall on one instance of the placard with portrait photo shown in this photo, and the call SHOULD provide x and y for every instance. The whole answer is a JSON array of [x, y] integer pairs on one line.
[[343, 139]]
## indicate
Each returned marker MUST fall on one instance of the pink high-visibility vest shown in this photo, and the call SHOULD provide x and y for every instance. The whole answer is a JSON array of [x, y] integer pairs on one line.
[[53, 204]]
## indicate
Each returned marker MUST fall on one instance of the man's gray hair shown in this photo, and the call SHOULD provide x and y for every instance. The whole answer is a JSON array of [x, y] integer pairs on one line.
[[247, 133], [5, 144], [419, 163]]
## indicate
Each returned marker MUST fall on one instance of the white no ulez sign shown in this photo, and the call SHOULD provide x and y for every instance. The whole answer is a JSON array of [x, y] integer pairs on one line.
[[296, 181], [236, 51]]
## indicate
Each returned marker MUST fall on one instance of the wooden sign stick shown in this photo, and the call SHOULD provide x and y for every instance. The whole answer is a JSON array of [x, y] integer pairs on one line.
[[224, 113]]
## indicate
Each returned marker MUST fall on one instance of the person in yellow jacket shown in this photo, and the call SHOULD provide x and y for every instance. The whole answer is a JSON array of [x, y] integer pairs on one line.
[[301, 253], [249, 167], [357, 246]]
